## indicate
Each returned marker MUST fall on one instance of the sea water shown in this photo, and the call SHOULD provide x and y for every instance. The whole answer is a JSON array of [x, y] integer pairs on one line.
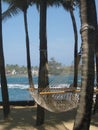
[[18, 86]]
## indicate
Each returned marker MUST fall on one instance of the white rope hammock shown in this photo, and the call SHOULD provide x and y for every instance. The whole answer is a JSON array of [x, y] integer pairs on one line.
[[56, 98]]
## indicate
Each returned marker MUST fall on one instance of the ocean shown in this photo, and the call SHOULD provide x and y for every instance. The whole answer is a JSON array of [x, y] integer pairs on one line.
[[18, 86]]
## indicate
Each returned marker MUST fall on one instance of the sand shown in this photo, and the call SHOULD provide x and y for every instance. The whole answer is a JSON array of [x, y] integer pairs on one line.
[[24, 118]]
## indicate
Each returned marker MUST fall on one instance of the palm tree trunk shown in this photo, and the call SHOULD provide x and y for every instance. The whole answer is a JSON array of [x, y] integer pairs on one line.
[[43, 67], [28, 51], [96, 49], [4, 89], [83, 116], [69, 6], [75, 49]]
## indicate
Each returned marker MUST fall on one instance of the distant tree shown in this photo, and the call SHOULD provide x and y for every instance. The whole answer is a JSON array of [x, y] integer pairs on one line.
[[55, 68], [4, 89]]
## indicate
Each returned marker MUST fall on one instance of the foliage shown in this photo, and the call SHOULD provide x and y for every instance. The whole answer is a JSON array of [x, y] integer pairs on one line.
[[55, 68], [15, 7]]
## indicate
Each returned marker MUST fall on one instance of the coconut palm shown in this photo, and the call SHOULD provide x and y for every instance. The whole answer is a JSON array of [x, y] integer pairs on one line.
[[43, 67], [68, 5], [4, 89], [88, 34], [96, 49], [15, 6]]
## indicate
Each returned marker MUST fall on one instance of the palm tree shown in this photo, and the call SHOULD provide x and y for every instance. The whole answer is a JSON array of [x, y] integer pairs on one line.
[[15, 6], [43, 67], [96, 49], [68, 5], [4, 89], [88, 34]]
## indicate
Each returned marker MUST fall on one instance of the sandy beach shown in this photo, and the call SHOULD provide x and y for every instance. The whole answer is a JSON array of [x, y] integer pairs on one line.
[[24, 118]]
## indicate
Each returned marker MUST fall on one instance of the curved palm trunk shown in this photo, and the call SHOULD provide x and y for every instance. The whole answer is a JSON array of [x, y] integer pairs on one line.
[[83, 116], [75, 49], [43, 67], [96, 49], [4, 89], [28, 52]]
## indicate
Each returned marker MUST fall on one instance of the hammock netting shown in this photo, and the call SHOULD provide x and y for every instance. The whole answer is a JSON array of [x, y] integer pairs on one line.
[[56, 97], [56, 102]]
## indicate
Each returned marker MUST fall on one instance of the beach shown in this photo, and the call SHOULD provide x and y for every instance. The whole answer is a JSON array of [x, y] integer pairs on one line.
[[24, 118]]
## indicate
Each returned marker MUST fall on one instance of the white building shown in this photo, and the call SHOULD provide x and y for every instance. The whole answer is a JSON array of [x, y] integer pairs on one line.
[[14, 72], [35, 72]]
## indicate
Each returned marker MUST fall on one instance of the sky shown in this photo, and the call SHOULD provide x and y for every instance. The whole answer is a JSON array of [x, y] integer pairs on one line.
[[60, 36]]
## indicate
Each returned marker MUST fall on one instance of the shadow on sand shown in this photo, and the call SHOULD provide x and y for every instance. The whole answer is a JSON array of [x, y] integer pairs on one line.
[[24, 118]]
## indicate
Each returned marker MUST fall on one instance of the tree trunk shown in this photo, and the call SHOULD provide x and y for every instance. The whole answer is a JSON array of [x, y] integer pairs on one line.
[[83, 116], [75, 49], [43, 67], [4, 89], [28, 52], [96, 49]]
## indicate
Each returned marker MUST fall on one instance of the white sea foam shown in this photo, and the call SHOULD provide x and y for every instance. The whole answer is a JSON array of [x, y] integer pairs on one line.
[[21, 86], [26, 86]]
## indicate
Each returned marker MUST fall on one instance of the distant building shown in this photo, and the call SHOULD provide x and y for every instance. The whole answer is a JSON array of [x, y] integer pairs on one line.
[[35, 72], [14, 72], [8, 72]]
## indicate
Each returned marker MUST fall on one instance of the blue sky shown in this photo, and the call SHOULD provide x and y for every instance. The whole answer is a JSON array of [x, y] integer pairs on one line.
[[60, 36]]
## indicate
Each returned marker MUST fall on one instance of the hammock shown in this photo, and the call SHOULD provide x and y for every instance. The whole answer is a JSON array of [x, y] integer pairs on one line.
[[56, 99]]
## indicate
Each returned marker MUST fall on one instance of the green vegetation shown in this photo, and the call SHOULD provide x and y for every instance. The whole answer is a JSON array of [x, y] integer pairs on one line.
[[55, 68], [19, 70]]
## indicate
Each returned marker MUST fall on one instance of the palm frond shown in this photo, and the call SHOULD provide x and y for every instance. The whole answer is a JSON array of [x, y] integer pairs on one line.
[[68, 4], [7, 1], [22, 4], [11, 11]]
